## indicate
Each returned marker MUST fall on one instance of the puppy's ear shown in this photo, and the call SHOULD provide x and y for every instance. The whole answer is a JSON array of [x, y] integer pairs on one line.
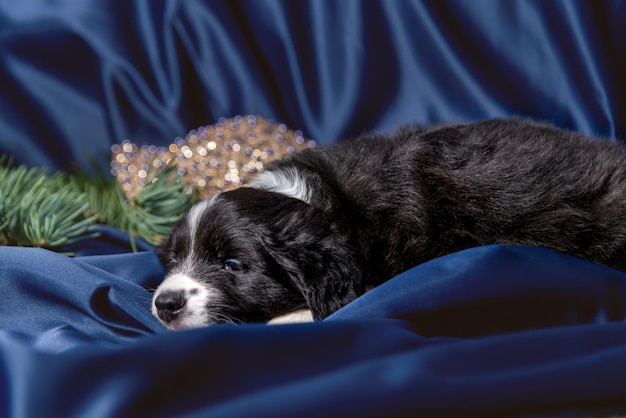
[[319, 258], [329, 284]]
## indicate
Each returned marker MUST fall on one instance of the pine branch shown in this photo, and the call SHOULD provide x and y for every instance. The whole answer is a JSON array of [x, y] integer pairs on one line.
[[39, 209], [159, 205], [150, 214]]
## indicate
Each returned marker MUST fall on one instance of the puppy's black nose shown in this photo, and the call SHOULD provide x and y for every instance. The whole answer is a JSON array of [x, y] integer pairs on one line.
[[169, 305]]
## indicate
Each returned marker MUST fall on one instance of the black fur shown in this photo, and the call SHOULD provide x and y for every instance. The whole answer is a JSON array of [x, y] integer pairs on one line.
[[383, 204]]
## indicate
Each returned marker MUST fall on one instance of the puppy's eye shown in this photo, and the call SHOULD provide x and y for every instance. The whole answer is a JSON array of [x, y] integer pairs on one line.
[[233, 264], [167, 261]]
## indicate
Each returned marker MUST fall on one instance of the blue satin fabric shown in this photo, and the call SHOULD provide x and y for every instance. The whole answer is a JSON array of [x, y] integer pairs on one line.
[[62, 303], [492, 331], [76, 77]]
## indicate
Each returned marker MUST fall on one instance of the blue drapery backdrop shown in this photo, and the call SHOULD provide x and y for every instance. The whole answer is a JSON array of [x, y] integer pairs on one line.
[[491, 331]]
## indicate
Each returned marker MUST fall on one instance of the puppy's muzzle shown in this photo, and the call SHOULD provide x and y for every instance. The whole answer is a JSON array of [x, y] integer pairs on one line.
[[170, 304]]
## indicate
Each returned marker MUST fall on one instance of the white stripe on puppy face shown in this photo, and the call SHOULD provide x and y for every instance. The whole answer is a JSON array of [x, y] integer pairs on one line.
[[287, 181], [195, 215], [193, 222]]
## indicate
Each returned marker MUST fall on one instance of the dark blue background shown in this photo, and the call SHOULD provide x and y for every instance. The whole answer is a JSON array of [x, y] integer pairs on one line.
[[493, 331]]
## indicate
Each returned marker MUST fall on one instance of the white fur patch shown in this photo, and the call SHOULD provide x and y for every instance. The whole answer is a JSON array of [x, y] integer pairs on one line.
[[287, 181], [194, 313], [195, 215], [193, 223], [303, 315]]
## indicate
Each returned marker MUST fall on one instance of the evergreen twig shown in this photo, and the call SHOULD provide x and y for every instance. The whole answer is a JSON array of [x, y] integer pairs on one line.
[[40, 209]]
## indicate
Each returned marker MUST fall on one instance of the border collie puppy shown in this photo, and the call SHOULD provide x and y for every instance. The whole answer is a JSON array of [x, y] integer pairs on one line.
[[315, 230]]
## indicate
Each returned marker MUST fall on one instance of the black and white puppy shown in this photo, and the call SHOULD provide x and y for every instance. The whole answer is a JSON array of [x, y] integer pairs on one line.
[[315, 230]]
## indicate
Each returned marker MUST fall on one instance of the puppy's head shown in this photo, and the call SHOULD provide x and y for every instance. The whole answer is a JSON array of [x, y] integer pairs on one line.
[[251, 255]]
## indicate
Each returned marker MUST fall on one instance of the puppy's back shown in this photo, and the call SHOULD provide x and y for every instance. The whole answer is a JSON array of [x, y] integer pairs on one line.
[[422, 193]]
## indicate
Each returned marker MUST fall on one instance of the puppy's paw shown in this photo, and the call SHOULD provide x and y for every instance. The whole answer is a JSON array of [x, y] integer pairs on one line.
[[303, 315]]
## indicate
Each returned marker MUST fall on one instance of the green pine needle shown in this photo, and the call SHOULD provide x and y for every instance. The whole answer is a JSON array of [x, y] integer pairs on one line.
[[151, 214], [160, 204], [39, 209]]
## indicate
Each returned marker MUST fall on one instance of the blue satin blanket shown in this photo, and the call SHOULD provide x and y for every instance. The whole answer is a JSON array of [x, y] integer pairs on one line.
[[490, 331]]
